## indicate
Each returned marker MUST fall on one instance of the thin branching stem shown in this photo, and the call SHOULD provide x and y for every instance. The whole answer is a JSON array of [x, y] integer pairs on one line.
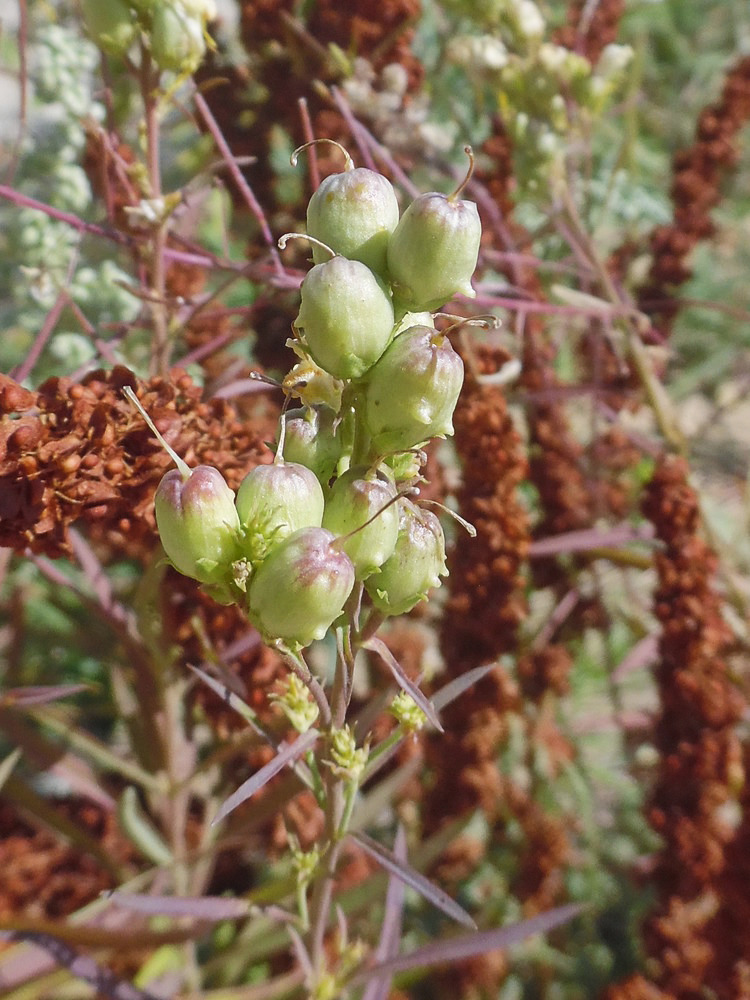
[[245, 190], [149, 79]]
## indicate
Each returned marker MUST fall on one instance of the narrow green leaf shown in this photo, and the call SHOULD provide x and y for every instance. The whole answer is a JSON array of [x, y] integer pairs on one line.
[[411, 877], [468, 945], [288, 753]]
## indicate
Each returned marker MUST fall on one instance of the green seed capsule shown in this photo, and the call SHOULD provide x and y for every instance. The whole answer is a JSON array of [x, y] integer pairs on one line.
[[432, 253], [310, 440], [356, 497], [345, 316], [412, 391], [354, 213], [177, 41], [198, 523], [417, 563], [273, 502], [301, 588], [110, 24]]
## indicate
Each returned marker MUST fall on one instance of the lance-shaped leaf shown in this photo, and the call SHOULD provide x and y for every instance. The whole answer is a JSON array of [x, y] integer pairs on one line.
[[7, 765], [230, 698], [288, 752], [411, 877], [39, 694], [106, 983], [206, 908], [93, 936], [590, 539], [455, 688], [384, 751], [379, 647], [468, 945], [139, 828], [390, 933], [235, 702]]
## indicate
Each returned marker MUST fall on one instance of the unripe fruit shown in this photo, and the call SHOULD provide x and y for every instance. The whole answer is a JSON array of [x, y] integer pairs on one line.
[[110, 24], [417, 563], [198, 523], [177, 41], [353, 500], [309, 439], [301, 588], [346, 317], [273, 502], [432, 253], [203, 9], [412, 391], [354, 213]]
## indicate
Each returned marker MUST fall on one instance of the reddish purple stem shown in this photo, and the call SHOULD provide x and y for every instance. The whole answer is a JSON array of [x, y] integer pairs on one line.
[[239, 179]]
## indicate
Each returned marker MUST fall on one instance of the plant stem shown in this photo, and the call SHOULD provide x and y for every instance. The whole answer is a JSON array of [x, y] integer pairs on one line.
[[159, 316], [297, 664], [657, 395], [335, 806]]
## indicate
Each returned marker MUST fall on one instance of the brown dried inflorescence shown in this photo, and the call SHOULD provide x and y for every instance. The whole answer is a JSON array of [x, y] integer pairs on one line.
[[729, 930], [78, 451], [41, 876], [479, 623], [540, 877], [614, 455], [287, 52], [546, 669], [590, 27], [486, 603], [696, 740], [556, 462], [697, 176], [108, 164]]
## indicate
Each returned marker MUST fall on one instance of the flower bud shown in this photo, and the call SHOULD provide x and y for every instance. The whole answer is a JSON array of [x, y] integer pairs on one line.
[[198, 523], [432, 252], [177, 40], [273, 502], [405, 466], [111, 25], [346, 317], [407, 713], [297, 704], [310, 440], [417, 563], [301, 588], [353, 500], [347, 760], [412, 391], [354, 213]]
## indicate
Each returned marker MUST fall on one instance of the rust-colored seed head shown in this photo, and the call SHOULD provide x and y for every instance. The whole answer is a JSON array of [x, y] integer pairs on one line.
[[699, 753], [696, 190], [587, 32], [80, 453]]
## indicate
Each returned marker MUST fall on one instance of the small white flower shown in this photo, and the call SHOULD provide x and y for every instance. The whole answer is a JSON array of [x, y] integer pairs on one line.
[[614, 59], [529, 18]]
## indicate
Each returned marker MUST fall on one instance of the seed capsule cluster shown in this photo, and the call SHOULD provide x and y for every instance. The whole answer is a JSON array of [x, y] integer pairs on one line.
[[377, 381], [174, 31]]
